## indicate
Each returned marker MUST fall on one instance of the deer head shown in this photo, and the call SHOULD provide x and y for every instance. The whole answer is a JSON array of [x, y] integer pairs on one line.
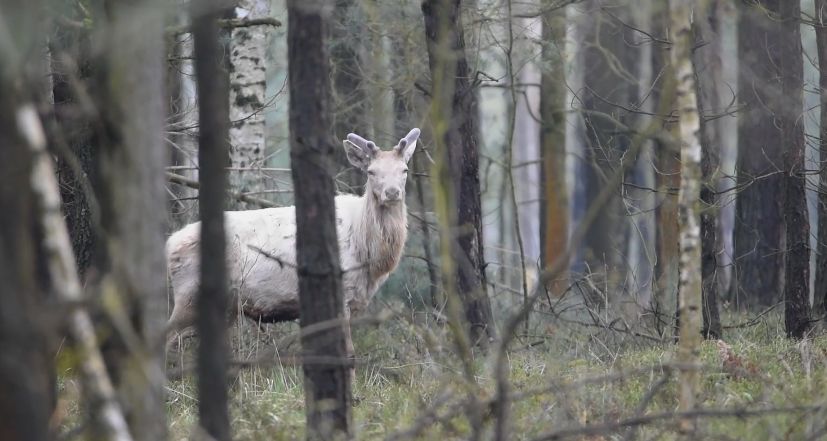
[[387, 170]]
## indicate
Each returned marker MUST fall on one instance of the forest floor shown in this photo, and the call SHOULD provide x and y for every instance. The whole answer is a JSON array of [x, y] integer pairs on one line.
[[579, 386]]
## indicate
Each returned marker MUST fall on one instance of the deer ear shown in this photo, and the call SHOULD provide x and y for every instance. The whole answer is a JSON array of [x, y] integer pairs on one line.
[[356, 155], [407, 145]]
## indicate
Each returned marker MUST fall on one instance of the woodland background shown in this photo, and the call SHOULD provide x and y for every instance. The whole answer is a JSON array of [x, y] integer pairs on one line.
[[600, 185]]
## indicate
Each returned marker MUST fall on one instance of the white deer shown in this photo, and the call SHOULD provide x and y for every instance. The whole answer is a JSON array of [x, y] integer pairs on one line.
[[371, 229]]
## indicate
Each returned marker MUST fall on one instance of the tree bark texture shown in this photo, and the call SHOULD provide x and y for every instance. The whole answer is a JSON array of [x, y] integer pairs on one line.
[[72, 62], [820, 295], [212, 76], [554, 205], [707, 61], [796, 220], [456, 137], [26, 368], [248, 83], [763, 42], [327, 386], [132, 202], [690, 287]]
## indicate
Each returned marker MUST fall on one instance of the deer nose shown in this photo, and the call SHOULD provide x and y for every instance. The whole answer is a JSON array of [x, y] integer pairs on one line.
[[392, 194]]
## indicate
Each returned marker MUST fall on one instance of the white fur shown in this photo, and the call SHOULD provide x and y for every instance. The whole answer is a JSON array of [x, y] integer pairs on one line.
[[371, 232]]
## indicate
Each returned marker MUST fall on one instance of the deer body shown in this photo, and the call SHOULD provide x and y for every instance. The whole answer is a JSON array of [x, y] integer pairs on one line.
[[261, 245]]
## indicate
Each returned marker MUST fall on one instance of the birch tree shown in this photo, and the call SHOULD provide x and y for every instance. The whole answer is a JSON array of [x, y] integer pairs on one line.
[[690, 286], [248, 82]]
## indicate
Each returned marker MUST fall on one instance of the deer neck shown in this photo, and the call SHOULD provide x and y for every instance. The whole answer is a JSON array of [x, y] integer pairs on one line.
[[385, 230]]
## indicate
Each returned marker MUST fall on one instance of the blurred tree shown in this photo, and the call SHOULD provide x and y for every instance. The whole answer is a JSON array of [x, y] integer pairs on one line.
[[130, 184], [454, 113], [213, 81], [759, 227], [554, 211], [326, 384], [787, 110], [707, 61], [27, 389]]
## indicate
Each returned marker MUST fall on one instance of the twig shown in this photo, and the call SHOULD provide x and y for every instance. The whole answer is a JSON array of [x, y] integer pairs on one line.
[[243, 197]]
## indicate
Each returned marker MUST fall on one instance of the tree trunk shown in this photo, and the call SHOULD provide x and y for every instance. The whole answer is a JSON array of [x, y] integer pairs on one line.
[[554, 201], [327, 385], [820, 306], [72, 131], [796, 219], [690, 288], [26, 361], [707, 60], [610, 89], [132, 202], [758, 235], [667, 179], [212, 76], [350, 112], [248, 82], [455, 116]]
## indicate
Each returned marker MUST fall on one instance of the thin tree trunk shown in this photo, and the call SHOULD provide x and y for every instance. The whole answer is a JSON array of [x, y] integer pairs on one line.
[[26, 369], [707, 61], [796, 219], [248, 83], [554, 207], [455, 120], [212, 76], [690, 289], [820, 297], [327, 386], [759, 226], [132, 199]]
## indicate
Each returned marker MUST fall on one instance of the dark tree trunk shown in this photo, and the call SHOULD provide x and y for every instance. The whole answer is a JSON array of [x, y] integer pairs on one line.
[[350, 111], [707, 60], [72, 136], [131, 194], [326, 384], [212, 74], [554, 212], [25, 362], [460, 140], [796, 219], [763, 42], [820, 306], [610, 88]]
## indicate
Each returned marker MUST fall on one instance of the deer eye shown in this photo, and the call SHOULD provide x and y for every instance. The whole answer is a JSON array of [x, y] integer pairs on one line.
[[371, 172], [405, 170]]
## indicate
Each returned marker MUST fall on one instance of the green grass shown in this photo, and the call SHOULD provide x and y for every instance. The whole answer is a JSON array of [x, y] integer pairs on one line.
[[564, 380]]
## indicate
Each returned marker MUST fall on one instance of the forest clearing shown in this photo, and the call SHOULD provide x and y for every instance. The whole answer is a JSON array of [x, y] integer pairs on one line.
[[494, 220]]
